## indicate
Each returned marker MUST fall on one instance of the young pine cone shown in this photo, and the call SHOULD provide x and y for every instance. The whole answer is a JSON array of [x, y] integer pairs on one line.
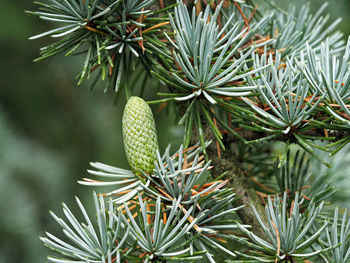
[[139, 135]]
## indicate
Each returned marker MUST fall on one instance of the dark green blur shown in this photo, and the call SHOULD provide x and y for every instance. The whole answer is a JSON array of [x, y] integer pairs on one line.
[[50, 129]]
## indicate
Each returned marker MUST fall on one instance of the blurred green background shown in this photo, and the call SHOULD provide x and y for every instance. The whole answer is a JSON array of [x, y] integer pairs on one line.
[[50, 129]]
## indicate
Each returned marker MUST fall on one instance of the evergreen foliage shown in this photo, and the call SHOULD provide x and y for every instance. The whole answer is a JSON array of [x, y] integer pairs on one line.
[[241, 77]]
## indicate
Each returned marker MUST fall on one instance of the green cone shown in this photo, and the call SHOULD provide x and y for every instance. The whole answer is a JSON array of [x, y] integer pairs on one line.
[[139, 135]]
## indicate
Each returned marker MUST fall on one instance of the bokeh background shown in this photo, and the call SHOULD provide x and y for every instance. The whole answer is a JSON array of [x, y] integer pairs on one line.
[[50, 129]]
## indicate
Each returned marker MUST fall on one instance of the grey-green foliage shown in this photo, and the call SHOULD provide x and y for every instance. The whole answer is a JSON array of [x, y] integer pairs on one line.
[[201, 40], [107, 32], [329, 75], [168, 170], [289, 233], [115, 236], [284, 115], [207, 73], [239, 76], [120, 179], [296, 173], [86, 244], [297, 27], [212, 50], [165, 240], [295, 177], [152, 220], [338, 235]]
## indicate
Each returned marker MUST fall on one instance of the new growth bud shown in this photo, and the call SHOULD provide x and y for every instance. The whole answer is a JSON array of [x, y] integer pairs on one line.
[[139, 135]]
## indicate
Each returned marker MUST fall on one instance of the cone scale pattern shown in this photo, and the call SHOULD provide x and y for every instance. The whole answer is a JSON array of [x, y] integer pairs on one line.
[[139, 135]]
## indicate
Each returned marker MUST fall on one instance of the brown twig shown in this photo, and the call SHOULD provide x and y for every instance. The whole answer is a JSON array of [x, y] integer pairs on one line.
[[242, 14]]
